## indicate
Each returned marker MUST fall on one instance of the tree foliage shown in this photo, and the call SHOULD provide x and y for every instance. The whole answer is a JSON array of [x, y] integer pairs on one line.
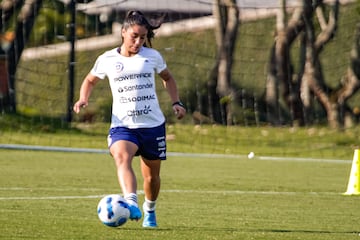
[[25, 13], [220, 89], [300, 89]]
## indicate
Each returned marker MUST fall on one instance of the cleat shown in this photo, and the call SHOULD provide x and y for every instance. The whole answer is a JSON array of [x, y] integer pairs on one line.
[[149, 219], [135, 213]]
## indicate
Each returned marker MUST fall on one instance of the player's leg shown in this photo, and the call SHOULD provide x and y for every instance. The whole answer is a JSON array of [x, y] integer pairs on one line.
[[151, 173], [123, 153], [150, 170]]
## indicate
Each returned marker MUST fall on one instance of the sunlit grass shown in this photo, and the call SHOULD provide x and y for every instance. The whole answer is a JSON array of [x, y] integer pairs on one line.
[[53, 195]]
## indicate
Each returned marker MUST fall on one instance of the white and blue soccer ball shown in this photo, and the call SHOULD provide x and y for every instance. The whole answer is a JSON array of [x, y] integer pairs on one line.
[[113, 210]]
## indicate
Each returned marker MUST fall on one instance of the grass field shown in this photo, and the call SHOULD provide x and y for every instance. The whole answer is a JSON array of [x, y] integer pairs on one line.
[[53, 195]]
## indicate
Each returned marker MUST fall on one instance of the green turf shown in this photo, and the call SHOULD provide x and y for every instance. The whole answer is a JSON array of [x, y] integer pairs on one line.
[[201, 198]]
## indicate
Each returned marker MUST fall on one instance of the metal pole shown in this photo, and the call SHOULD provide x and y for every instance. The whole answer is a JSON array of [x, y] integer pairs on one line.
[[72, 31]]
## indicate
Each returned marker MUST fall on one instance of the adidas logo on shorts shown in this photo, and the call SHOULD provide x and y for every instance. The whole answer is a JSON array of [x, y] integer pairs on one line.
[[162, 154]]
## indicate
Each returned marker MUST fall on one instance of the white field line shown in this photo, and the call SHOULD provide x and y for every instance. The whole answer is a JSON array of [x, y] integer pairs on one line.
[[229, 192], [51, 148], [171, 154], [51, 189]]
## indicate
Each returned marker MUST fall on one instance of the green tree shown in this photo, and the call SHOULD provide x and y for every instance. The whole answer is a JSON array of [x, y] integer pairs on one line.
[[221, 93], [13, 42]]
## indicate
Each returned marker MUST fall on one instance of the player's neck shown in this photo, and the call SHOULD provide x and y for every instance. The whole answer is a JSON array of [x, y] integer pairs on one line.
[[123, 52]]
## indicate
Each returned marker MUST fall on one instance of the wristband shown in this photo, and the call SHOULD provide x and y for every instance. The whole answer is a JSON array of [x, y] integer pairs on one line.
[[179, 103]]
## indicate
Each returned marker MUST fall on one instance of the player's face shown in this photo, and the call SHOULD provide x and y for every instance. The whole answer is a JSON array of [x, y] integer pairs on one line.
[[134, 37]]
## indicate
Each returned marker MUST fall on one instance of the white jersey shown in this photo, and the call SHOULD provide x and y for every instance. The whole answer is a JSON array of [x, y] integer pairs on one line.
[[132, 83]]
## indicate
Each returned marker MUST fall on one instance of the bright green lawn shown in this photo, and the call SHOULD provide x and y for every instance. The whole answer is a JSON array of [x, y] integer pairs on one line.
[[53, 195]]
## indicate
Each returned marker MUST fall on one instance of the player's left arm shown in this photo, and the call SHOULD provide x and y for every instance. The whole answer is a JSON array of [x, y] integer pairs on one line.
[[171, 87]]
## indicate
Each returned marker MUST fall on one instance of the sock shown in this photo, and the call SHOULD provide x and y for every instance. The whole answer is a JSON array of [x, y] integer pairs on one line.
[[149, 205], [131, 199]]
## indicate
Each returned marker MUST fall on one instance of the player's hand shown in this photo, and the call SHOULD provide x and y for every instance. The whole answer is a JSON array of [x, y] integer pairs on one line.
[[179, 110], [78, 105]]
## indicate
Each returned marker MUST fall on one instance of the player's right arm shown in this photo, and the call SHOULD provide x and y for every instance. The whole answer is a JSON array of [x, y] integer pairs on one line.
[[85, 91]]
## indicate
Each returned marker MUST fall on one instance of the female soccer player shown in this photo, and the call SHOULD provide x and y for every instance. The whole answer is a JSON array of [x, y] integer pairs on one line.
[[137, 124]]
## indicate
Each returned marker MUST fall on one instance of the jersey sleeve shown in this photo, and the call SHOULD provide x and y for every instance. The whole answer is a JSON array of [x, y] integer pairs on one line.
[[98, 69], [160, 63]]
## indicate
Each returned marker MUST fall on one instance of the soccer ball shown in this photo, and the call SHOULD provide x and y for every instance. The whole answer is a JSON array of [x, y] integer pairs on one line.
[[113, 210]]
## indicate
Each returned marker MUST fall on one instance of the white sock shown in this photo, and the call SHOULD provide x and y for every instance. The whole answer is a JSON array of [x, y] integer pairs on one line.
[[131, 199], [149, 205]]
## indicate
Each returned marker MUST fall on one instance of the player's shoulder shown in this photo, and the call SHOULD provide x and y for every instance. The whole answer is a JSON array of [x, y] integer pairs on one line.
[[110, 53], [146, 51]]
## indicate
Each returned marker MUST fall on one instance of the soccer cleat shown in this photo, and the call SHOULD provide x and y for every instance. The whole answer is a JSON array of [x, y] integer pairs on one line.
[[135, 213], [149, 219]]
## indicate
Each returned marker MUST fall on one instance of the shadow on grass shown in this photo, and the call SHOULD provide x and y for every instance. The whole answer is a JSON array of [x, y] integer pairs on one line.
[[205, 229], [306, 231], [29, 124]]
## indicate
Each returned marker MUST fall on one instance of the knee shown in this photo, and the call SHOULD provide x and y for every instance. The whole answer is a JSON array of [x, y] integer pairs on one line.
[[152, 179], [122, 159]]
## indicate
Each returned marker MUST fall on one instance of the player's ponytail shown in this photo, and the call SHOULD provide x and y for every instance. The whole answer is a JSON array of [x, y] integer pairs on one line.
[[138, 18]]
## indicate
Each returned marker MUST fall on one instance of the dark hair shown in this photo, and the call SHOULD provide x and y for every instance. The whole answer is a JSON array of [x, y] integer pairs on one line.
[[138, 18]]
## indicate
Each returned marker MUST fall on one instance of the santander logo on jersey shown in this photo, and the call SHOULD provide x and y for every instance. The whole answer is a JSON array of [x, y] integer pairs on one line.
[[134, 87]]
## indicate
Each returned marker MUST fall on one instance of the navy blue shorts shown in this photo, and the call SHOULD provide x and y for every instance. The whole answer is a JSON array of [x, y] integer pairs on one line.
[[150, 141]]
